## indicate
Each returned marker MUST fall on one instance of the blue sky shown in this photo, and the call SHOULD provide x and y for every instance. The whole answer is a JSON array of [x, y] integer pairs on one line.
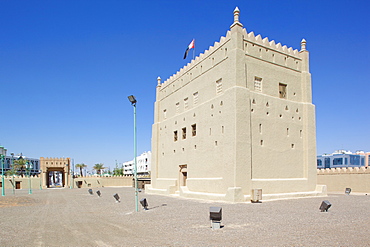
[[67, 67]]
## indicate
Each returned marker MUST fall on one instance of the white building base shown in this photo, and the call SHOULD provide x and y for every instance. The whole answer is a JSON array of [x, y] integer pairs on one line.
[[234, 194]]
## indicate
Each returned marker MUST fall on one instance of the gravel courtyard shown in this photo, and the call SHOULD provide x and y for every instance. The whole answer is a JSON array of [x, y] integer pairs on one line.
[[73, 217]]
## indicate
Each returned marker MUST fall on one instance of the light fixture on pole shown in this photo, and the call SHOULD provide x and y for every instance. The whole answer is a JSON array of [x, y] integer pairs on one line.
[[133, 101]]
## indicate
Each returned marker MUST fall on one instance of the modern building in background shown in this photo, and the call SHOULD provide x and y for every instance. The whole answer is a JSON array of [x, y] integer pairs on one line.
[[367, 157], [342, 158], [35, 168], [8, 162], [238, 117], [143, 165]]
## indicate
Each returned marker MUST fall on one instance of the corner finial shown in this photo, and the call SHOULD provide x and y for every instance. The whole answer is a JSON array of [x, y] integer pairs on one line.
[[236, 18], [236, 15], [159, 81], [303, 45]]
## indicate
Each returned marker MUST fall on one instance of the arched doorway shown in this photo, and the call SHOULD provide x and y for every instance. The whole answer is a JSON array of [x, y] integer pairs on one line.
[[55, 178], [183, 176]]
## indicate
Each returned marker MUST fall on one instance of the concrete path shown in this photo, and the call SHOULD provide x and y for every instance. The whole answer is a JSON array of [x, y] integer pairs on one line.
[[72, 217]]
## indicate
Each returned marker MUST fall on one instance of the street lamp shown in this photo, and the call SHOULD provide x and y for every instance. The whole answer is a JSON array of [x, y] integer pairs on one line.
[[2, 156], [133, 101], [28, 168], [72, 174], [40, 172], [12, 154]]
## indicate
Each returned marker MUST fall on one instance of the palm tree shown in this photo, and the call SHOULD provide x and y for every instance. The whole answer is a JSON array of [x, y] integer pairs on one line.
[[98, 167], [81, 166]]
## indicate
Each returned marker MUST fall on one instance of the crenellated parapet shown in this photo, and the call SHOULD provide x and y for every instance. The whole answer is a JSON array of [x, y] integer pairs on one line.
[[112, 176], [343, 170], [198, 66], [263, 49], [52, 158], [47, 163]]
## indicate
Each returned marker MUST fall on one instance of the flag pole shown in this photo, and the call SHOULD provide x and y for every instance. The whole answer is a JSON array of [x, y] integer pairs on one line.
[[194, 50]]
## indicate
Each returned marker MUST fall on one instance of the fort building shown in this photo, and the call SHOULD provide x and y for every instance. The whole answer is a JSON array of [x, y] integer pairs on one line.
[[236, 118]]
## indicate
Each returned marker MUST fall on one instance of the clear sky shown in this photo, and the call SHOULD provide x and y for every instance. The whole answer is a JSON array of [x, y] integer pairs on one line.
[[67, 67]]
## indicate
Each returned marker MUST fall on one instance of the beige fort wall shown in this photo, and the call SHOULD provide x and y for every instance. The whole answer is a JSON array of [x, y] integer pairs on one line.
[[22, 182], [238, 117], [338, 179], [96, 182]]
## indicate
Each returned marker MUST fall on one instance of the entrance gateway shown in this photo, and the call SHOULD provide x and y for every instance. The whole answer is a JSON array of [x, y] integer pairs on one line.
[[55, 172]]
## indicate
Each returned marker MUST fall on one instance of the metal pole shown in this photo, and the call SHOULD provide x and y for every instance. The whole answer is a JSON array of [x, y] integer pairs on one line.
[[135, 164], [72, 175], [13, 173], [2, 175], [29, 178], [40, 179]]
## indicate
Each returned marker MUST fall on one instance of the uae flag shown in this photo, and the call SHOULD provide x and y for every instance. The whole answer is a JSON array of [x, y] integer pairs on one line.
[[190, 46]]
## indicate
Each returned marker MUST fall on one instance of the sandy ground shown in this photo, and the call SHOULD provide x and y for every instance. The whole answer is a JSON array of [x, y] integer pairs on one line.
[[73, 217]]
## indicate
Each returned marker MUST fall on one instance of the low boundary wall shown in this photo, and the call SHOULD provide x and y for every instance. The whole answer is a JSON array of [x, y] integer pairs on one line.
[[23, 182], [338, 179]]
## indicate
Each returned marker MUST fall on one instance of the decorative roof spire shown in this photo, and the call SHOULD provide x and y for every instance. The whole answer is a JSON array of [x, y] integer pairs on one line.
[[236, 17], [236, 14], [159, 81], [303, 45]]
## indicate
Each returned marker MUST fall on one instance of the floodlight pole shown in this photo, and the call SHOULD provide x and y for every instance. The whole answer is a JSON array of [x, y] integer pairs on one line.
[[133, 103]]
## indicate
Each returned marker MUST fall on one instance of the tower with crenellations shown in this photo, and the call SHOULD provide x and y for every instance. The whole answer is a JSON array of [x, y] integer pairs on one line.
[[236, 118]]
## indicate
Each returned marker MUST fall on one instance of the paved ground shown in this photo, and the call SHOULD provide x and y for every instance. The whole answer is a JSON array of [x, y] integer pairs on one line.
[[65, 217]]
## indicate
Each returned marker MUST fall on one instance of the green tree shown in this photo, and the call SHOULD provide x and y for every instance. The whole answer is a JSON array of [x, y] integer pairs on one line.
[[11, 172], [117, 171], [19, 166], [98, 168], [81, 167]]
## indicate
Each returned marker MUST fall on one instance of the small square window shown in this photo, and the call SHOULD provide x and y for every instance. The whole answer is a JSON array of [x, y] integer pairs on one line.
[[184, 133], [175, 136], [195, 98], [219, 86], [186, 103], [194, 130], [258, 84], [282, 91]]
